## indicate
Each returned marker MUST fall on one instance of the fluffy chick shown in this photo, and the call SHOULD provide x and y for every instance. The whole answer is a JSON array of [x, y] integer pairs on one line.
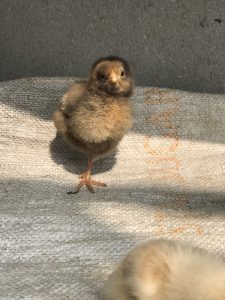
[[94, 115], [167, 270]]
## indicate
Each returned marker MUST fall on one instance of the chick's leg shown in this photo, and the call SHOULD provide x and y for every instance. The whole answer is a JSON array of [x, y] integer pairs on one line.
[[85, 179], [87, 173]]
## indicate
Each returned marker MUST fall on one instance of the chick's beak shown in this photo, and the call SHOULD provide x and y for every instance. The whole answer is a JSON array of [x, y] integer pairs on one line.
[[113, 78]]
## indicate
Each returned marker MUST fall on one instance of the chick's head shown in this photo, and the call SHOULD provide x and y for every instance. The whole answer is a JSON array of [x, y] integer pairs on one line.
[[112, 76]]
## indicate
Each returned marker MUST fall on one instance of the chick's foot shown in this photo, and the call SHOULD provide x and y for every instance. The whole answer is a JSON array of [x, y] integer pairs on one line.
[[86, 180], [89, 183]]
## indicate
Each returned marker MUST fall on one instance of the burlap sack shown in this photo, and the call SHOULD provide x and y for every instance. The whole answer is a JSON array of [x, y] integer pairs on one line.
[[166, 179]]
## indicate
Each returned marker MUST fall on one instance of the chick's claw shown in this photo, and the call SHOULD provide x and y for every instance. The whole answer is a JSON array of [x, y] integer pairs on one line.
[[97, 183]]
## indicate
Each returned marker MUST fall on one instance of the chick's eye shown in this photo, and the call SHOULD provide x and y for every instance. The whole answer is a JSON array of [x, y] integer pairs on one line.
[[122, 73], [101, 77]]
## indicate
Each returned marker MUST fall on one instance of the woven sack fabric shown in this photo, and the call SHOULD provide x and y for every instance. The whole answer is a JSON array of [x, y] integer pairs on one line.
[[166, 179]]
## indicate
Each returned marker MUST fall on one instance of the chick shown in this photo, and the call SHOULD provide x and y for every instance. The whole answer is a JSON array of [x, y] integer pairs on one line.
[[94, 115], [167, 270]]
